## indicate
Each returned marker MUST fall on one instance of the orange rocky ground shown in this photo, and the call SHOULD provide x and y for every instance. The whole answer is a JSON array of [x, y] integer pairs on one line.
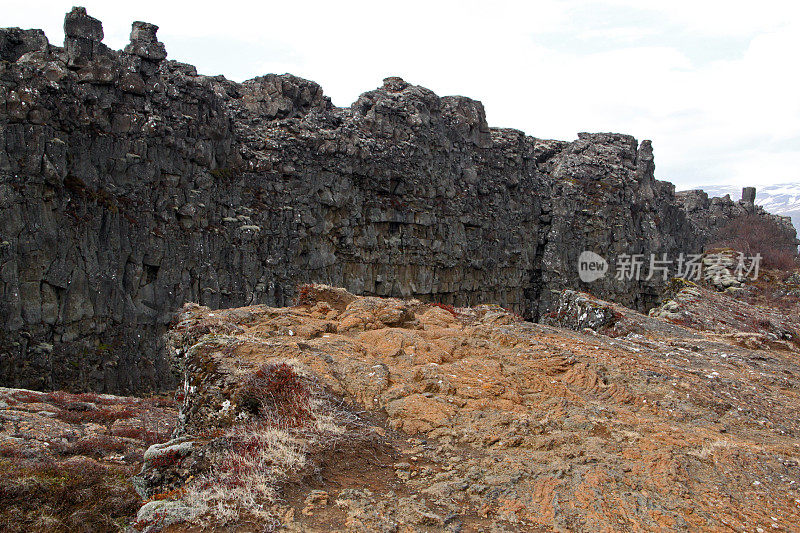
[[417, 418]]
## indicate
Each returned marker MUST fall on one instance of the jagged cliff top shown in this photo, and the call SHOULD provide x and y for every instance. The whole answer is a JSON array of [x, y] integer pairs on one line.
[[86, 59], [255, 102]]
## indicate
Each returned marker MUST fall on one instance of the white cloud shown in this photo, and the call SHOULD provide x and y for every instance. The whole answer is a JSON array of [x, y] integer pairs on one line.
[[714, 84], [719, 17]]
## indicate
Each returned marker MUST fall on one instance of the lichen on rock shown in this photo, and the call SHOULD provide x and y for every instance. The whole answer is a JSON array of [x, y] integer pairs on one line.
[[475, 419]]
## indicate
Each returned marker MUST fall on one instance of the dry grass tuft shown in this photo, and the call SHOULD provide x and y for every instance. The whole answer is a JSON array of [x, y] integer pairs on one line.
[[287, 415], [252, 461]]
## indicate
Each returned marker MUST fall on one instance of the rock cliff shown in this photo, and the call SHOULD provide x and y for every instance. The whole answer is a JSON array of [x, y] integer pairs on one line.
[[129, 185]]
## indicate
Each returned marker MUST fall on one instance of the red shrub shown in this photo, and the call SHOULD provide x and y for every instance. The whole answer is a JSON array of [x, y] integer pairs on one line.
[[304, 294], [26, 396], [148, 437], [105, 415], [161, 401], [129, 432], [752, 234], [168, 458], [95, 446], [276, 390], [11, 451], [73, 495], [98, 399]]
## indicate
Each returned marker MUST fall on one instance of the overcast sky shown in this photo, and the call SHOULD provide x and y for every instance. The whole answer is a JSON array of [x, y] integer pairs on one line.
[[714, 84]]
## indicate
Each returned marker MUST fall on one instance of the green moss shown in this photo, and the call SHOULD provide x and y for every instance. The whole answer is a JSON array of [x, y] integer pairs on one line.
[[226, 173], [675, 286]]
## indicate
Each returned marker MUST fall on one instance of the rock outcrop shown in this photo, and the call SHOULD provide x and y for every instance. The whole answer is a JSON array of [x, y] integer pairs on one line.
[[417, 417], [129, 185]]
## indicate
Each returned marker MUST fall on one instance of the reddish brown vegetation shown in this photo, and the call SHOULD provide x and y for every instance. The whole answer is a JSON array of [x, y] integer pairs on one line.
[[753, 234], [105, 416], [174, 494], [65, 497], [26, 396], [76, 479], [304, 294], [66, 399], [168, 458], [95, 446], [163, 401], [143, 434], [11, 451], [154, 522], [278, 392], [772, 290]]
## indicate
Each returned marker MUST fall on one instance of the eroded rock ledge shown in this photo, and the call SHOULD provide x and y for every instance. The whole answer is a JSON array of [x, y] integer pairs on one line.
[[129, 185]]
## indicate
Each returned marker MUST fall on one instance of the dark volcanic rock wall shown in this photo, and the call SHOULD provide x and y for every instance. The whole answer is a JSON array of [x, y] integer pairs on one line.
[[130, 185], [606, 200]]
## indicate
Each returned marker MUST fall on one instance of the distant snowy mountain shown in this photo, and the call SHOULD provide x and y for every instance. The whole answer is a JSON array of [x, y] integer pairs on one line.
[[778, 199]]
